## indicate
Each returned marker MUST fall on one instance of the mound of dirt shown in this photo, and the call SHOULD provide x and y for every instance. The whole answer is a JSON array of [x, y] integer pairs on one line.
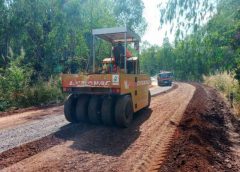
[[202, 140]]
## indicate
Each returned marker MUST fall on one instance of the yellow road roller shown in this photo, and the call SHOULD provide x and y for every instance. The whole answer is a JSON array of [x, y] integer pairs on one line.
[[112, 91]]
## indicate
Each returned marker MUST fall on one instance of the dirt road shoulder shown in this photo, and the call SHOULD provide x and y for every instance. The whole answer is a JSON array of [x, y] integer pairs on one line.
[[206, 138]]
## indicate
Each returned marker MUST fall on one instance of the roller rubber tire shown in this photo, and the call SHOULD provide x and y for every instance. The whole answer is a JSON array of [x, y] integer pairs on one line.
[[82, 108], [124, 111], [70, 109], [149, 99], [94, 110], [108, 111]]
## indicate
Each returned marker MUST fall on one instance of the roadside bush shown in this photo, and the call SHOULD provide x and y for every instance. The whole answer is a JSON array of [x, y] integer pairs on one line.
[[224, 82], [227, 85], [16, 91], [13, 81], [44, 93], [41, 93]]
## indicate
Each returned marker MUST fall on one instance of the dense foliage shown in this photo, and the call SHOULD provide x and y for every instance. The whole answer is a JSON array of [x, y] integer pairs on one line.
[[186, 16], [40, 39], [215, 47]]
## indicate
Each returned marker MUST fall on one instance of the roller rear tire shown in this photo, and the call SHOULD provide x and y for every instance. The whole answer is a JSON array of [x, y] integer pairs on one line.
[[94, 110], [108, 111], [149, 99], [124, 111], [70, 108], [82, 108]]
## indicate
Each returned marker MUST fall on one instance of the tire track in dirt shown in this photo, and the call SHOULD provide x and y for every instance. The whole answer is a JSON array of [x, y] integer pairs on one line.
[[100, 148], [159, 149]]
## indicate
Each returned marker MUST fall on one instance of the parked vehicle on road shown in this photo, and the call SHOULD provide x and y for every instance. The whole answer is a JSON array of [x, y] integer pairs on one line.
[[165, 78]]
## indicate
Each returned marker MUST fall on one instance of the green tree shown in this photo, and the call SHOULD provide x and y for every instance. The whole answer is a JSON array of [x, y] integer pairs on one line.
[[56, 37], [130, 12]]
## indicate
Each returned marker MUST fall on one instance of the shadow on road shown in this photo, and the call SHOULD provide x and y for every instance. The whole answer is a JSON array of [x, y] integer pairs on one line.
[[104, 140]]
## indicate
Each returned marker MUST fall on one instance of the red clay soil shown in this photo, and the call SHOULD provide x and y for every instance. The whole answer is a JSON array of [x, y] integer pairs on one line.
[[202, 139], [27, 150], [14, 155], [175, 86], [17, 154], [103, 148]]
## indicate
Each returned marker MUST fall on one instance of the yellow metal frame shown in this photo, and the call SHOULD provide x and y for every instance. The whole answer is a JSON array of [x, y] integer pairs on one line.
[[136, 85]]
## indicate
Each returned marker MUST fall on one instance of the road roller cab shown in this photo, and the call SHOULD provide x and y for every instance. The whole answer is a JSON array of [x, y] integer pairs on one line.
[[109, 94]]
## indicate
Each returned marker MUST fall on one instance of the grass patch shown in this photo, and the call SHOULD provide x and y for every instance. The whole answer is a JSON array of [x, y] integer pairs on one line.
[[227, 85], [41, 93]]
